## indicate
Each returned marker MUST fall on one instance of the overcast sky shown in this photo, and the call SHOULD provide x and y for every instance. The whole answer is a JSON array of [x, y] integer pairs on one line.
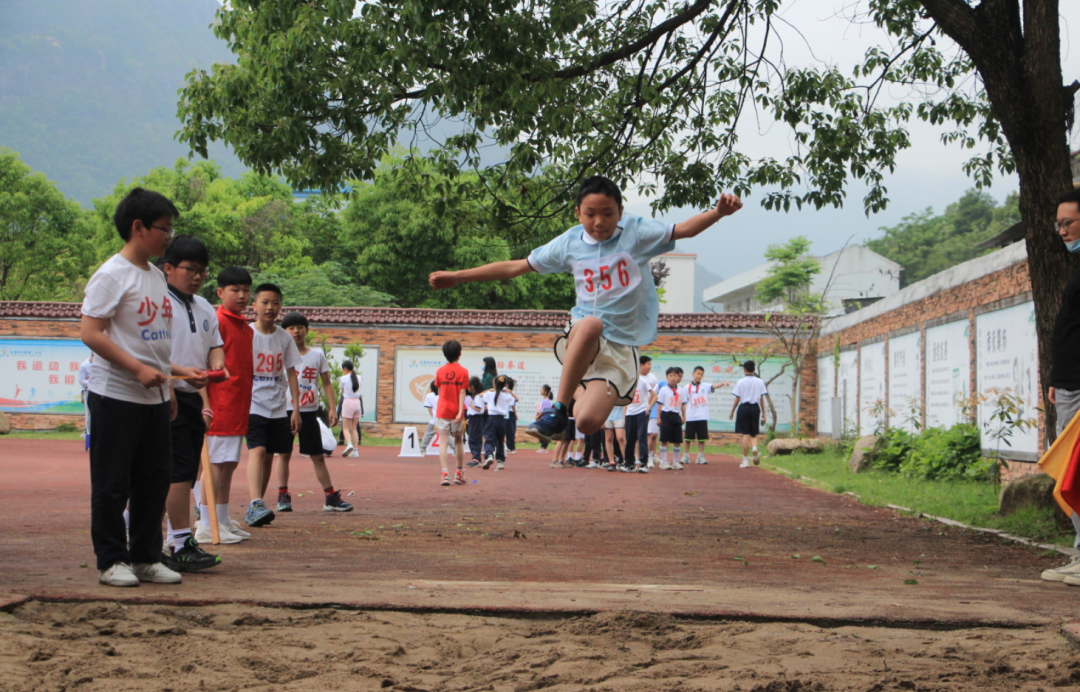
[[929, 174]]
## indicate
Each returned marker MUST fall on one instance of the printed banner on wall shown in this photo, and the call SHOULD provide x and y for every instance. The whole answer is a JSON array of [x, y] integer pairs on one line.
[[368, 370], [826, 371], [948, 372], [1007, 360], [847, 389], [415, 368], [905, 382], [871, 386], [41, 375]]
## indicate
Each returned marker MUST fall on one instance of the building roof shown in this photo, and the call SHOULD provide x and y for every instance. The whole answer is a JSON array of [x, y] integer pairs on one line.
[[1013, 234], [504, 319]]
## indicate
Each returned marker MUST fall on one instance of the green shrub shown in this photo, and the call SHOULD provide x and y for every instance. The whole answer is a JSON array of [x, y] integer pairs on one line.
[[66, 428], [893, 449], [953, 454]]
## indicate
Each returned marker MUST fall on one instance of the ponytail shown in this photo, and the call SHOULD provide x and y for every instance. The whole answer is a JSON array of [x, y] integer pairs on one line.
[[500, 383], [353, 379]]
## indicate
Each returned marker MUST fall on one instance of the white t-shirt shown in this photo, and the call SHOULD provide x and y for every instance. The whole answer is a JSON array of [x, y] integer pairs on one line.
[[431, 403], [345, 384], [750, 389], [672, 398], [500, 407], [195, 332], [84, 374], [697, 401], [309, 379], [274, 354], [137, 305], [471, 405], [645, 385]]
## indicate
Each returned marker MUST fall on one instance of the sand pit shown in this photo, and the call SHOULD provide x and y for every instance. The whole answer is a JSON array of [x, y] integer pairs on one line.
[[111, 646]]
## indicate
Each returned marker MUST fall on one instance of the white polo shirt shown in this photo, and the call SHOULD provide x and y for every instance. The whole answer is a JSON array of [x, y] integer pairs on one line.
[[195, 333]]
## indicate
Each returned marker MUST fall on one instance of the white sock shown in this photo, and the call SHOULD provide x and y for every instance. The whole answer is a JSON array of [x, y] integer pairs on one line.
[[755, 448], [746, 458], [204, 515], [198, 492], [676, 453], [222, 515], [176, 538], [168, 526], [663, 454]]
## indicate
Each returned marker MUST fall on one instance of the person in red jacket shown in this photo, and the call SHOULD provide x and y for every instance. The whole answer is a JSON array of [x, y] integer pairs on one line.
[[230, 401]]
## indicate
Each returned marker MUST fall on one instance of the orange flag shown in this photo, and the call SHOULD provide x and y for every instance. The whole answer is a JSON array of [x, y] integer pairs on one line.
[[1062, 463]]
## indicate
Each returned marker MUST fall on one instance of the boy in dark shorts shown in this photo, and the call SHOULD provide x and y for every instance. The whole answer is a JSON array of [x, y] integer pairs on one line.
[[672, 402], [748, 393], [196, 343], [697, 413], [270, 427], [314, 372]]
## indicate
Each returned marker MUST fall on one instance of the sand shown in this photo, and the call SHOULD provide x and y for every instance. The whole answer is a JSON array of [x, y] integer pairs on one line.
[[112, 646]]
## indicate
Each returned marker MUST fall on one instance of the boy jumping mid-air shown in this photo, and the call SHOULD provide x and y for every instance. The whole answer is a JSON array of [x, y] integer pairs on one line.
[[617, 305]]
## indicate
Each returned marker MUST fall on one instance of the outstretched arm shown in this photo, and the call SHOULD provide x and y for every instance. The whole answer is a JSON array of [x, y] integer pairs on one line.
[[726, 206], [495, 271]]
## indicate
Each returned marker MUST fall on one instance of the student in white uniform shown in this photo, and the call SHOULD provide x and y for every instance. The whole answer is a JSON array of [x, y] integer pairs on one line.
[[349, 385], [697, 414], [748, 392], [498, 401]]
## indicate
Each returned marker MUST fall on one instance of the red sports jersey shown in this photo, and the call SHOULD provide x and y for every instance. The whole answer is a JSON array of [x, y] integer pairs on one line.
[[450, 379], [231, 400]]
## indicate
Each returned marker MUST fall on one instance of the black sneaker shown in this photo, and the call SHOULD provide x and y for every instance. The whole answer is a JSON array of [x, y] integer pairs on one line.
[[612, 466], [189, 558], [284, 502], [473, 464], [550, 426], [334, 503]]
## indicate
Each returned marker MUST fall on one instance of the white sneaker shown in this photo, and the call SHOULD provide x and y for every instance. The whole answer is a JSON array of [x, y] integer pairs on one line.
[[542, 451], [677, 466], [354, 454], [592, 465], [664, 466], [701, 459], [236, 530], [685, 458], [652, 459], [1059, 573], [119, 574], [745, 464], [156, 573], [350, 449], [204, 535]]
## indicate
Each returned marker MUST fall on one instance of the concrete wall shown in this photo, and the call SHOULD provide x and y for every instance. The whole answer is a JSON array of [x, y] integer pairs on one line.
[[678, 287]]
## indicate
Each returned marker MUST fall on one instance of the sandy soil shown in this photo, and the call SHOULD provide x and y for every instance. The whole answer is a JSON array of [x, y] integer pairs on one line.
[[109, 646]]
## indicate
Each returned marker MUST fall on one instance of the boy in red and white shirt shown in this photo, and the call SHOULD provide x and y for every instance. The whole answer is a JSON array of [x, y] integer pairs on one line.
[[452, 380], [697, 414], [672, 399]]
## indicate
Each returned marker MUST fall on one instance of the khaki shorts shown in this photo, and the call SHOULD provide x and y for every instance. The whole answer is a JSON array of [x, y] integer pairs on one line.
[[617, 364], [224, 449], [614, 424], [455, 426]]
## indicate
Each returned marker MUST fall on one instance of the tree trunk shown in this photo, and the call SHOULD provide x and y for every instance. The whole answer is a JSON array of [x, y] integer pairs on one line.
[[1019, 61]]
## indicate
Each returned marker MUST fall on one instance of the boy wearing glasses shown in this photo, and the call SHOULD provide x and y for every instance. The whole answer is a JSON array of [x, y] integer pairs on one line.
[[127, 321], [196, 343]]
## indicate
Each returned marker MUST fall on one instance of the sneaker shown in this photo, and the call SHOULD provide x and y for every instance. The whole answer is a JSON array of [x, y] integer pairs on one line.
[[473, 464], [745, 464], [348, 450], [189, 558], [499, 466], [511, 451], [685, 459], [156, 573], [541, 451], [652, 460], [284, 502], [626, 469], [592, 465], [258, 514], [701, 459], [549, 426], [641, 469], [664, 466], [354, 454], [234, 528], [677, 466], [755, 456], [612, 466], [1059, 573], [119, 574], [204, 535], [334, 503], [445, 479], [459, 477], [489, 461], [1072, 579]]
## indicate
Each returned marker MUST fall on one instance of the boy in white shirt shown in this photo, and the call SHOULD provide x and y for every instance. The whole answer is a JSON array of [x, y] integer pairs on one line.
[[637, 419], [127, 321], [314, 371], [431, 402], [270, 427], [748, 392], [672, 400], [697, 414]]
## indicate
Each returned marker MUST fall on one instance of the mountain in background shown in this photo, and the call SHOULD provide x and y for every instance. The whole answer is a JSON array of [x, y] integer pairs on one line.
[[88, 88]]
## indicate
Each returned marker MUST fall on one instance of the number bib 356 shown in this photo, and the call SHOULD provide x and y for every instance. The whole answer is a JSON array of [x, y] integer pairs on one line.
[[608, 277]]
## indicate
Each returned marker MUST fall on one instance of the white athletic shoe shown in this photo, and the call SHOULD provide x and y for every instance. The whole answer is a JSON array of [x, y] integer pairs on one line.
[[652, 459], [664, 466], [350, 449], [1059, 573], [542, 451], [677, 466], [701, 459], [745, 464], [204, 535], [353, 454], [685, 458], [156, 573], [236, 530], [119, 574]]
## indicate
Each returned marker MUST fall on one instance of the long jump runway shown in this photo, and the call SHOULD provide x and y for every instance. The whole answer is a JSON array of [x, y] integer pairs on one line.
[[713, 541]]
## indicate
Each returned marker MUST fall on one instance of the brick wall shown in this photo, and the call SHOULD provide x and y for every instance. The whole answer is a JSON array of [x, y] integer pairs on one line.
[[388, 338]]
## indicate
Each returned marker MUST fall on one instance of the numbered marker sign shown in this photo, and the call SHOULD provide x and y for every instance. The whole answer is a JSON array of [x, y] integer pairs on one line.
[[433, 448], [410, 443]]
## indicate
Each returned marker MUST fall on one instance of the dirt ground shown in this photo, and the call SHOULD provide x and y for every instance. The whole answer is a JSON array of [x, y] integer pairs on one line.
[[110, 646]]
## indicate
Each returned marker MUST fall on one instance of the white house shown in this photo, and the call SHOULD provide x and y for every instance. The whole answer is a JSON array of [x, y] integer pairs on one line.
[[849, 278], [679, 285]]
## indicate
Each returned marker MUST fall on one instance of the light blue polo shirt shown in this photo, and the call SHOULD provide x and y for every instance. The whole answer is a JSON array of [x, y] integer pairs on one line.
[[612, 278]]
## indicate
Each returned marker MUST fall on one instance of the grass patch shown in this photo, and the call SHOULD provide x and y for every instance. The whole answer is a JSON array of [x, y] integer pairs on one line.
[[42, 435], [974, 503]]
